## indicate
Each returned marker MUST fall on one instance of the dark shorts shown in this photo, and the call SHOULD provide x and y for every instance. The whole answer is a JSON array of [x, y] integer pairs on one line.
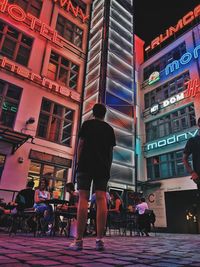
[[84, 181]]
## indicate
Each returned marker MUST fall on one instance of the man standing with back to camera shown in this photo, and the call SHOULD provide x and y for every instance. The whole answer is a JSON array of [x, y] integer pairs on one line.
[[193, 148], [94, 159]]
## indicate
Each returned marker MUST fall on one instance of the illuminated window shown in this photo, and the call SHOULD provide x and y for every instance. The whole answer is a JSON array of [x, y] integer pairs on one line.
[[176, 121], [55, 174], [14, 44], [166, 166], [10, 95], [166, 90], [2, 163], [63, 71], [55, 123], [69, 31], [29, 6]]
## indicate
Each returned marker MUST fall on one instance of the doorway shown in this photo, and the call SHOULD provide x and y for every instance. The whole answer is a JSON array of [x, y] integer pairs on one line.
[[182, 211]]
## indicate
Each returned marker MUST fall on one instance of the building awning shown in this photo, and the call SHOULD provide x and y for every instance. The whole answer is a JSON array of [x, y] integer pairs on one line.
[[148, 184], [15, 139]]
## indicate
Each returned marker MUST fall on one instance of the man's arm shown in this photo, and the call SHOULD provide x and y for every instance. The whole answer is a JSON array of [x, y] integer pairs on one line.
[[111, 156], [188, 167], [79, 149]]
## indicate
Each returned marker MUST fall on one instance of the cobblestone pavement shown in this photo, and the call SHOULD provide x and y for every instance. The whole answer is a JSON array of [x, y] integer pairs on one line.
[[162, 250]]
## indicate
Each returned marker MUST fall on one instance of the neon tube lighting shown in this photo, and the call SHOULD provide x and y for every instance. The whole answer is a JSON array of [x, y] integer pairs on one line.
[[121, 37], [123, 28]]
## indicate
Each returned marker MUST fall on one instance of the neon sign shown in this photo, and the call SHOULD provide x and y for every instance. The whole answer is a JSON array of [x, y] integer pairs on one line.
[[171, 140], [173, 100], [188, 18], [154, 109], [185, 59], [34, 24], [154, 77], [36, 78], [193, 88], [75, 11], [8, 106]]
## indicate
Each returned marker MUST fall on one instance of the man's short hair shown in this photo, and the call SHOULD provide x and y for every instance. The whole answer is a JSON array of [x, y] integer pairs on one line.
[[30, 184], [99, 110]]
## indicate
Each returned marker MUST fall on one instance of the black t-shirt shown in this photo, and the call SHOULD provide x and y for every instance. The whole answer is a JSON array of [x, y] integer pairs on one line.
[[25, 198], [193, 147], [99, 139]]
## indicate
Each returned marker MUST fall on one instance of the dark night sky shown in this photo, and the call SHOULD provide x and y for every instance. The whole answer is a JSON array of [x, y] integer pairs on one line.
[[153, 17]]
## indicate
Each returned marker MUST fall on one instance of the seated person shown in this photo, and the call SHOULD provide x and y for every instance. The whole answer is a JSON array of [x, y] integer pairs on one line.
[[41, 195], [115, 206], [69, 210], [115, 203], [25, 197], [23, 200], [143, 218], [73, 199]]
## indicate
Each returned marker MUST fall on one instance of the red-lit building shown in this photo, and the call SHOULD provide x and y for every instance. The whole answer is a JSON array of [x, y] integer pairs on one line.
[[169, 107], [43, 48]]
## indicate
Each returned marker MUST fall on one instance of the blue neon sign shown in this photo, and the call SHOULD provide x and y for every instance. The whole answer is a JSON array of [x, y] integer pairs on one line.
[[185, 59]]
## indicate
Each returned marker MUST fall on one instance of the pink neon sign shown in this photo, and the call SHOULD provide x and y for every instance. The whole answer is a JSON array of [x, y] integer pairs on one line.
[[34, 24], [75, 11], [11, 66]]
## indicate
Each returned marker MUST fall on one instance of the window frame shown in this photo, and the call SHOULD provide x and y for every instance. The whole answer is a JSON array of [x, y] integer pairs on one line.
[[53, 179], [171, 161], [169, 119], [73, 32], [59, 66], [163, 92], [160, 64], [18, 43], [4, 98], [29, 5], [51, 115]]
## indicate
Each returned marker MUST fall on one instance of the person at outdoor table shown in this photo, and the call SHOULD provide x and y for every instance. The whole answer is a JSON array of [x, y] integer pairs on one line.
[[143, 219], [71, 206], [115, 203], [114, 212], [41, 195], [25, 197], [73, 197]]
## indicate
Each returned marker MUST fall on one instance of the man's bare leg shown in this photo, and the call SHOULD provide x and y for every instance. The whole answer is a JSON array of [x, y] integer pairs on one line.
[[82, 213], [101, 217]]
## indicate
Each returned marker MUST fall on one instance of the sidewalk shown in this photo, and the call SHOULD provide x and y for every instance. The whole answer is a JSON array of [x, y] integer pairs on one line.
[[162, 250]]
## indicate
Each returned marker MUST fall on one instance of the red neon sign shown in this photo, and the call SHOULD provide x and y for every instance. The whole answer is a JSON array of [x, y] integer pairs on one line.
[[9, 65], [193, 88], [188, 18], [18, 14], [75, 11]]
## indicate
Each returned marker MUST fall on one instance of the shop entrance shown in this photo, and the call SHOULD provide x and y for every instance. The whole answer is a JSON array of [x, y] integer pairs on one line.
[[182, 211]]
